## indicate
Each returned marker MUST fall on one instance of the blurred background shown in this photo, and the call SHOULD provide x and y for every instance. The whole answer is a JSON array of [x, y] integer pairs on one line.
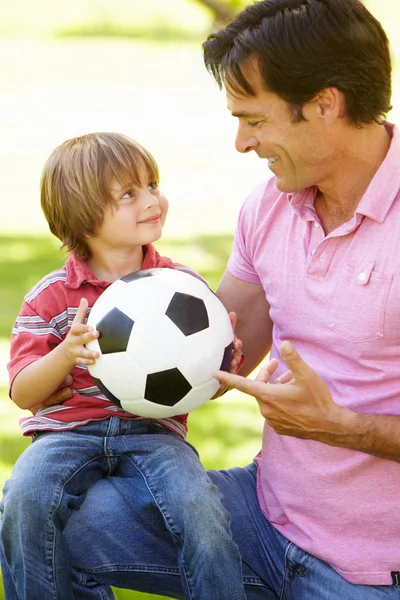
[[132, 66]]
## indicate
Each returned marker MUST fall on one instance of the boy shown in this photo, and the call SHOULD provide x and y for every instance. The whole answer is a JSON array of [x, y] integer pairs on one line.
[[101, 198]]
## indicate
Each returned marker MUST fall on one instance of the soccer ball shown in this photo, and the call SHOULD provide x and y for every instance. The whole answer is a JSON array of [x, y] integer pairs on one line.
[[163, 333]]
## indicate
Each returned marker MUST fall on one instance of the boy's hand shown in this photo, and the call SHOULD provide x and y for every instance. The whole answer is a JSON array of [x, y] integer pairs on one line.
[[237, 358], [79, 335]]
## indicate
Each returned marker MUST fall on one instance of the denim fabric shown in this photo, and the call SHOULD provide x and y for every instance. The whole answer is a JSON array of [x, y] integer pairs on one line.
[[154, 476], [117, 542]]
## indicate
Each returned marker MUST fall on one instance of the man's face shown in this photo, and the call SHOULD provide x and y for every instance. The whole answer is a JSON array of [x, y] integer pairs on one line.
[[296, 153]]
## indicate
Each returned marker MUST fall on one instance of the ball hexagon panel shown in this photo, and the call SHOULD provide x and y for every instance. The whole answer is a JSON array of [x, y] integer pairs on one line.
[[220, 323], [106, 302], [107, 392], [120, 375], [203, 355], [156, 344], [179, 281], [188, 313]]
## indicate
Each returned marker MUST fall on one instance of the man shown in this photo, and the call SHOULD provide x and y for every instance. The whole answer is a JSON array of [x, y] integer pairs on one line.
[[314, 274]]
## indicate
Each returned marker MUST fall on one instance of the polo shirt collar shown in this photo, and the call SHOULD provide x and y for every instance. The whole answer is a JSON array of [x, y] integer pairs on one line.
[[385, 184], [379, 196], [78, 272]]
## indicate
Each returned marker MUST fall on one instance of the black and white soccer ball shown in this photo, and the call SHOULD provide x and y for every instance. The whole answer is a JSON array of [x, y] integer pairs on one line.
[[163, 333]]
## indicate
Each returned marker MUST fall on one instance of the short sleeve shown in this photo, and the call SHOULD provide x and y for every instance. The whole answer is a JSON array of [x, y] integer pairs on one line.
[[32, 337], [240, 262]]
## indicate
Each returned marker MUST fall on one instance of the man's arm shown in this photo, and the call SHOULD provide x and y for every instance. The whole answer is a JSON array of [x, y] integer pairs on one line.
[[253, 326], [299, 404]]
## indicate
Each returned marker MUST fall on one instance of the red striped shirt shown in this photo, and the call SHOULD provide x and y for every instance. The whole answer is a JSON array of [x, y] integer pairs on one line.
[[44, 321]]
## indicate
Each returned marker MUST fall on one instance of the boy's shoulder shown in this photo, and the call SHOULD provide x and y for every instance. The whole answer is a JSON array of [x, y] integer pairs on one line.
[[46, 285], [65, 281]]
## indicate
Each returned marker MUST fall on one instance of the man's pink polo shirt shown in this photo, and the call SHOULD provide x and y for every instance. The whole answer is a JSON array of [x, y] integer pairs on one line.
[[337, 298]]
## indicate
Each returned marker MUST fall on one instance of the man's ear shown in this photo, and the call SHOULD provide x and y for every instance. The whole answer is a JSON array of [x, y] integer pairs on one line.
[[330, 104]]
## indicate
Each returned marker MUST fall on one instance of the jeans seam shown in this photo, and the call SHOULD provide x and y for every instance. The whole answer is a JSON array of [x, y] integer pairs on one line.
[[285, 574], [165, 516], [59, 495], [135, 569]]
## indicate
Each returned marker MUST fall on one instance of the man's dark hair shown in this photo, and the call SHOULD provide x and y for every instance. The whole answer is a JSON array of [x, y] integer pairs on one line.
[[303, 47]]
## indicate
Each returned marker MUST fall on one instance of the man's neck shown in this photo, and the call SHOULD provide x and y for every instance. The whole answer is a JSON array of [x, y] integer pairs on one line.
[[359, 160]]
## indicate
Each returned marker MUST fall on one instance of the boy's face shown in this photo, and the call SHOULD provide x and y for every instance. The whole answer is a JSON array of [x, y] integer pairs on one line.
[[138, 217]]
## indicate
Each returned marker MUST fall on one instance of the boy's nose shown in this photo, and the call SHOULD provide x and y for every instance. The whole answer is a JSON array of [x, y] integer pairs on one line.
[[150, 200]]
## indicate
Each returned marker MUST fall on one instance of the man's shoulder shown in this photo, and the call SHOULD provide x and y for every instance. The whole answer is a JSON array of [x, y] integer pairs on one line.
[[265, 193]]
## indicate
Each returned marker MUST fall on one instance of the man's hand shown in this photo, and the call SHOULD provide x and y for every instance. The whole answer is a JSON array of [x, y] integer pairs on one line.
[[61, 395], [298, 404], [237, 357]]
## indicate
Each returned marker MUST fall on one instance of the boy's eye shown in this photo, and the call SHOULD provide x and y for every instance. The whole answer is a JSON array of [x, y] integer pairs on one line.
[[153, 185], [127, 195]]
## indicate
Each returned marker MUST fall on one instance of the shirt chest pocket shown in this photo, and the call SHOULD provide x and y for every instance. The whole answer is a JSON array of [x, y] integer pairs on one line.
[[359, 304]]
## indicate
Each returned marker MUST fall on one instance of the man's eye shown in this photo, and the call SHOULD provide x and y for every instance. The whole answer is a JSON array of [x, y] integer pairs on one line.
[[153, 185], [253, 123]]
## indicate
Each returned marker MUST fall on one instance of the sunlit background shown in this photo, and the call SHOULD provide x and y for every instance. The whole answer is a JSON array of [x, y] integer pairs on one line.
[[132, 66]]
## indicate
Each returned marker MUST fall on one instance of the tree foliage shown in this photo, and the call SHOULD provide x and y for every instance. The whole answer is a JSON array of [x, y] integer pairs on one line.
[[224, 10]]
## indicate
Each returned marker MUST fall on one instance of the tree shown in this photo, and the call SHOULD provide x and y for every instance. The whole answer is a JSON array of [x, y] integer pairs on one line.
[[224, 10]]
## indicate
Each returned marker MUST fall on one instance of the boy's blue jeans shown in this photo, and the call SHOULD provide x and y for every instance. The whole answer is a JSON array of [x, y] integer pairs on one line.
[[167, 485]]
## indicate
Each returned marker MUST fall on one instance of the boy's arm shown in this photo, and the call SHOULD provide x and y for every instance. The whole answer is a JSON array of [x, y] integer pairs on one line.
[[39, 379], [63, 392]]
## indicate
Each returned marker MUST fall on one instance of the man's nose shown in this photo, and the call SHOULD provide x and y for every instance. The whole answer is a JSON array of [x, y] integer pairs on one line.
[[244, 142]]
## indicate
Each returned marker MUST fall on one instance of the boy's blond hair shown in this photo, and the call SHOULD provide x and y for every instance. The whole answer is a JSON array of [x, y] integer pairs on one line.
[[75, 183]]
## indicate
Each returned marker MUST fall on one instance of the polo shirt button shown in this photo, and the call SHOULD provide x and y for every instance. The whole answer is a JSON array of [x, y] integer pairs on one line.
[[316, 224], [362, 276]]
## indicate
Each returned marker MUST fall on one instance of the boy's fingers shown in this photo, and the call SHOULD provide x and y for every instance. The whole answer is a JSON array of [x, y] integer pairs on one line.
[[80, 316], [233, 319]]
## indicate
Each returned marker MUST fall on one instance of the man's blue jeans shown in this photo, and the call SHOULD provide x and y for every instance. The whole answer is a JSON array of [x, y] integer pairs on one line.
[[116, 542], [154, 476]]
